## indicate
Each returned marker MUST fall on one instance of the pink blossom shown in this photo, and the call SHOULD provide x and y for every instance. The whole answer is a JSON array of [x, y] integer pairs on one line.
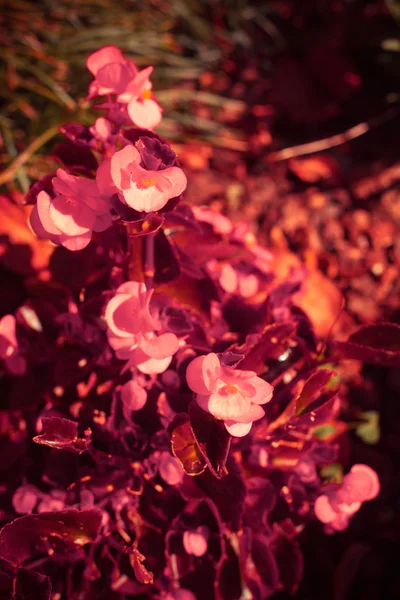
[[78, 209], [143, 110], [133, 331], [102, 129], [235, 282], [220, 223], [336, 507], [9, 348], [231, 395], [111, 70], [133, 395], [170, 469], [196, 542], [143, 190], [25, 498]]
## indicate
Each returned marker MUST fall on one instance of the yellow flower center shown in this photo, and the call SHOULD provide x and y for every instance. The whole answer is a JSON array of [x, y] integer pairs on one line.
[[230, 389], [146, 94], [146, 183]]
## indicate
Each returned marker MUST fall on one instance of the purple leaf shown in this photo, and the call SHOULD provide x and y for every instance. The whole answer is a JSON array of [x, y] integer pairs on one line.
[[377, 344], [48, 532], [212, 438], [61, 434]]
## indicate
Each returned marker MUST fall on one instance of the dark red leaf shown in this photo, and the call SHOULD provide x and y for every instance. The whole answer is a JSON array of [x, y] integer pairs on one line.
[[61, 434], [47, 532], [212, 438], [185, 447], [271, 343], [32, 586], [377, 344], [228, 494]]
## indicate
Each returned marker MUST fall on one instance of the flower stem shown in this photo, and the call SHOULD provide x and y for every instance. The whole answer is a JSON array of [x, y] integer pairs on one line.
[[148, 260]]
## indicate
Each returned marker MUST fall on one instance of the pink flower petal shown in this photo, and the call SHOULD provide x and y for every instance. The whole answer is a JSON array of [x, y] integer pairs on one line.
[[113, 78], [263, 391], [145, 113], [102, 129], [108, 54], [228, 406], [254, 413], [137, 86], [121, 345], [248, 285], [237, 429], [220, 223], [170, 469], [323, 510], [121, 162], [176, 179], [133, 395], [103, 179], [102, 222], [122, 315], [71, 217], [195, 542], [228, 279], [162, 346], [43, 205], [361, 484], [38, 228], [77, 242], [7, 329], [202, 373], [148, 365]]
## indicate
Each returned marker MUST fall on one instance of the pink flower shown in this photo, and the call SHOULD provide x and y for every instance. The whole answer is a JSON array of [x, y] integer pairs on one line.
[[170, 469], [9, 349], [132, 330], [101, 130], [231, 395], [220, 223], [115, 74], [262, 256], [77, 210], [111, 70], [133, 395], [196, 542], [336, 507], [143, 110], [235, 282], [143, 190]]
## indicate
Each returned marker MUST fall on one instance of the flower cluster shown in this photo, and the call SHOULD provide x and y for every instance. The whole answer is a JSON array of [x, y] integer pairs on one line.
[[118, 76], [336, 507], [174, 419]]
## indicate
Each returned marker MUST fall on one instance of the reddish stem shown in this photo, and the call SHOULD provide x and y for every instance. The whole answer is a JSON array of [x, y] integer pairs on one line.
[[148, 260]]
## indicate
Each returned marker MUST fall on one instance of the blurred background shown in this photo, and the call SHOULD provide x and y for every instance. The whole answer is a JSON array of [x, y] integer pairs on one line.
[[264, 101], [283, 112]]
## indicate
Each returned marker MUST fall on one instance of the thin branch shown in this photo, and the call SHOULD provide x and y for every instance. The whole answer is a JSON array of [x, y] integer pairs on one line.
[[334, 140]]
